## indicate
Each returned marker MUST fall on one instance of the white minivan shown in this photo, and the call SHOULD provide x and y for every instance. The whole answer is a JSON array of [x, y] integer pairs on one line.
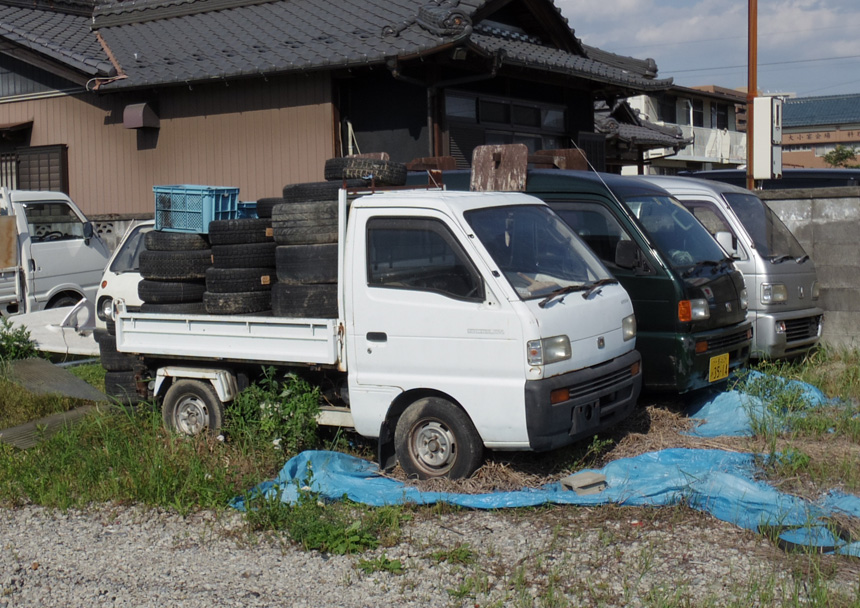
[[49, 254]]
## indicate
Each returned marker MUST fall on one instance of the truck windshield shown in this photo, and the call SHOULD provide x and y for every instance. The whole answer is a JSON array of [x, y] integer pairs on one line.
[[537, 252], [773, 240], [676, 232], [127, 258]]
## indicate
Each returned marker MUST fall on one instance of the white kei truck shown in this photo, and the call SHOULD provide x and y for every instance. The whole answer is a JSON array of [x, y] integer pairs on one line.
[[466, 320], [49, 254]]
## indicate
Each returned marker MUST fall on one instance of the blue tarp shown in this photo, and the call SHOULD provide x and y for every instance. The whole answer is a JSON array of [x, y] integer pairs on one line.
[[718, 482]]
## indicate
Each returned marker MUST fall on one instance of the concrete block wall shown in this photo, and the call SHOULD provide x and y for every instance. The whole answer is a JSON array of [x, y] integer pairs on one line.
[[826, 221]]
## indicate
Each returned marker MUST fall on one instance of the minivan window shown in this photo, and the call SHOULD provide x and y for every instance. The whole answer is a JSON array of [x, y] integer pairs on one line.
[[772, 238], [713, 221], [537, 252], [674, 231], [127, 259]]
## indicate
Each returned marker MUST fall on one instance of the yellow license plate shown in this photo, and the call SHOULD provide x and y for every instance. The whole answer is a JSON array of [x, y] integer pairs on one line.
[[719, 368]]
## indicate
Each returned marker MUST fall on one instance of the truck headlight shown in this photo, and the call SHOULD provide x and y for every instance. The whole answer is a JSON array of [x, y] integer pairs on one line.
[[816, 290], [628, 328], [693, 310], [105, 308], [773, 293], [548, 350], [745, 300]]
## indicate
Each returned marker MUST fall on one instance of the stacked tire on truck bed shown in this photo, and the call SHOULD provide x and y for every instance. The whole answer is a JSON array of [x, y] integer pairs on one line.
[[284, 262]]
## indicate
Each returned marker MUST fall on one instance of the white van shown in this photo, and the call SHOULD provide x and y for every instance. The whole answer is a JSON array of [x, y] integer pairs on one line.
[[49, 255], [779, 275]]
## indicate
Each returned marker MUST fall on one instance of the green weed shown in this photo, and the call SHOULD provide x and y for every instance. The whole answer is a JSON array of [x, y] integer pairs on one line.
[[91, 373], [20, 406], [15, 342], [459, 554], [380, 564]]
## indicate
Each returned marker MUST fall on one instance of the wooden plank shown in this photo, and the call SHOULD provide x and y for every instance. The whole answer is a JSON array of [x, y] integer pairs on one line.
[[499, 168], [8, 242]]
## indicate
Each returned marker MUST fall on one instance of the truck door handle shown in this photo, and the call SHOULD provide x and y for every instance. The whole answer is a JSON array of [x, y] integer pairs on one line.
[[377, 336], [32, 264]]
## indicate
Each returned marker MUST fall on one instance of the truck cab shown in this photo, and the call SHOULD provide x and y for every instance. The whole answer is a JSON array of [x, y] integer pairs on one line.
[[51, 256], [779, 274]]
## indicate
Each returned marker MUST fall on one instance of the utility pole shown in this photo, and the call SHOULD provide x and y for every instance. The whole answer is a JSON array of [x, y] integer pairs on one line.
[[752, 84]]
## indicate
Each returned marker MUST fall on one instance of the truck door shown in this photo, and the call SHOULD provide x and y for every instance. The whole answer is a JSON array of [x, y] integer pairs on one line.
[[61, 257], [422, 316]]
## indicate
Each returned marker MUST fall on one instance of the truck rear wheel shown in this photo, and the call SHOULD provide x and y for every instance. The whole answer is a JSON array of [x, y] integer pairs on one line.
[[435, 438], [192, 407]]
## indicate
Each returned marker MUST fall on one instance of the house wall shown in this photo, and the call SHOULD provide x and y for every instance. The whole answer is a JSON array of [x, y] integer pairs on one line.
[[826, 221], [255, 135], [807, 147]]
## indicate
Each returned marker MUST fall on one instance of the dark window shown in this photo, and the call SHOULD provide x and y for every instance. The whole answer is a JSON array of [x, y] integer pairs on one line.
[[666, 110], [421, 255], [526, 116], [721, 115], [698, 113], [43, 168], [493, 111], [597, 227]]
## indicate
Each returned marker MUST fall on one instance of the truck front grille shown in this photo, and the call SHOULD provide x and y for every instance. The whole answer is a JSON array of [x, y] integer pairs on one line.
[[727, 341], [802, 329], [599, 385]]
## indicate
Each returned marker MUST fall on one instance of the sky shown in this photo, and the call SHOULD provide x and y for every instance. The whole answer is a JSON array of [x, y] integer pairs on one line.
[[805, 47]]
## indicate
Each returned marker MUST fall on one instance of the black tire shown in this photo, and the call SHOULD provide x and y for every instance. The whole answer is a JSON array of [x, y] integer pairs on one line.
[[191, 407], [245, 230], [304, 301], [265, 206], [244, 255], [383, 172], [111, 359], [435, 438], [235, 280], [183, 308], [157, 240], [317, 191], [170, 292], [64, 300], [237, 303], [122, 387], [305, 223], [175, 265], [110, 324], [304, 264]]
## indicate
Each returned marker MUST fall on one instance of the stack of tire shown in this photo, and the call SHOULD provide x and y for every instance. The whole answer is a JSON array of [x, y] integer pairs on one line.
[[173, 270], [242, 274], [122, 370], [305, 227]]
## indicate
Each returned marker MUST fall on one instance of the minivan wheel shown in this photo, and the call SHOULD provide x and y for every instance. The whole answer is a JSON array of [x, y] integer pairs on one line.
[[435, 438], [192, 407]]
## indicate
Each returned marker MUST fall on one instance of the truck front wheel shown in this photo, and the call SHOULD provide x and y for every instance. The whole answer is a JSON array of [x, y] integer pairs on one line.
[[191, 407], [435, 438]]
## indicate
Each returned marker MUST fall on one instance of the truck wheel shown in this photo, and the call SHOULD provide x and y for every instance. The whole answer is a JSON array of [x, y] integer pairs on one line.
[[156, 240], [244, 255], [191, 407], [170, 292], [233, 280], [306, 223], [243, 230], [302, 264], [237, 303], [175, 265], [317, 191], [303, 301], [435, 438]]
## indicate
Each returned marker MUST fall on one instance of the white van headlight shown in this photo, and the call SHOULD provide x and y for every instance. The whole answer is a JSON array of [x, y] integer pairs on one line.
[[773, 293], [105, 308], [816, 290], [628, 328], [745, 300], [548, 350]]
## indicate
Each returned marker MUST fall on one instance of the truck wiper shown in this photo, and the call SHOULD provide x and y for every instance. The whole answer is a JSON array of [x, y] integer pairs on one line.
[[715, 264], [597, 285], [563, 291], [778, 259]]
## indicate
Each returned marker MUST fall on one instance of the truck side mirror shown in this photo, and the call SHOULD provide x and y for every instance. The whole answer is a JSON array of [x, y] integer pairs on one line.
[[88, 232], [626, 254], [729, 243]]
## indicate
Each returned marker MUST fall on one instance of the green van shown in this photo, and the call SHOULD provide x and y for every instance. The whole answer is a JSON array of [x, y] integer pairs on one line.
[[690, 301]]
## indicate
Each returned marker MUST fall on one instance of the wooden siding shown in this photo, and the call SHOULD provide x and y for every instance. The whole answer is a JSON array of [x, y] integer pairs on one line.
[[257, 136]]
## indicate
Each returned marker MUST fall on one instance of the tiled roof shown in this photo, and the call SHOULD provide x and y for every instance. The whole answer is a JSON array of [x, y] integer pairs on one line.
[[159, 42], [819, 111], [63, 37]]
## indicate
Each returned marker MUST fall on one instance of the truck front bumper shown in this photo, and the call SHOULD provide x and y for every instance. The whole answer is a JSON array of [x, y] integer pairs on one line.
[[597, 398], [786, 334]]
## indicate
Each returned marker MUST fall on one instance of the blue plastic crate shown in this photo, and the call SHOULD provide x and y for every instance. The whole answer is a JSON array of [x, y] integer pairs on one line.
[[247, 210], [191, 208]]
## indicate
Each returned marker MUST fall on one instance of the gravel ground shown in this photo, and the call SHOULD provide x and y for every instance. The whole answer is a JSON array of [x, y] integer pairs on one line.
[[558, 556]]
